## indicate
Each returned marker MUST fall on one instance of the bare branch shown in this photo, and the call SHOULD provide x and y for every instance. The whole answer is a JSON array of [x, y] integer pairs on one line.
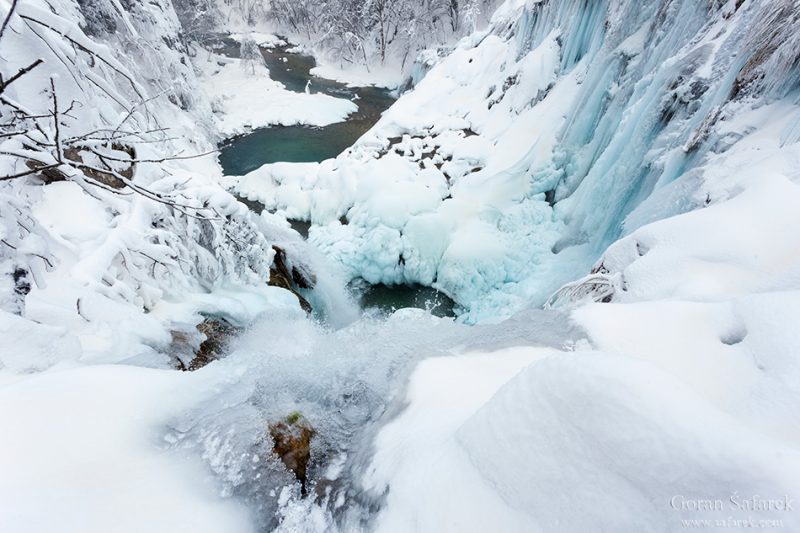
[[125, 75], [19, 74], [59, 151], [29, 172], [162, 160], [8, 17]]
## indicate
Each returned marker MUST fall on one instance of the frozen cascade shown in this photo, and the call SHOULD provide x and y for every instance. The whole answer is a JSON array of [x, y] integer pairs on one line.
[[344, 382], [565, 126]]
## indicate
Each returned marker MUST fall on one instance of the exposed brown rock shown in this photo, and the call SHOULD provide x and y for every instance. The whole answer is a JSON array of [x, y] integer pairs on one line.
[[291, 439], [281, 275], [72, 156], [218, 333]]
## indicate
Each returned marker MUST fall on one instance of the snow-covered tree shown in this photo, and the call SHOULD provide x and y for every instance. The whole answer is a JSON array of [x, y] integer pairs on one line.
[[250, 54], [372, 31], [383, 19]]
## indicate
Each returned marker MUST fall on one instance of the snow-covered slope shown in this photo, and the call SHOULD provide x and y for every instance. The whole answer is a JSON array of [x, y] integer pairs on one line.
[[104, 261], [534, 145], [81, 249]]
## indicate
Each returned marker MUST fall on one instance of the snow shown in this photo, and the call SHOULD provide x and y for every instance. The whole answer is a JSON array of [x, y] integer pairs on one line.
[[69, 213], [733, 354], [509, 439], [26, 346], [432, 486], [265, 39], [387, 75], [81, 453], [583, 410], [247, 99]]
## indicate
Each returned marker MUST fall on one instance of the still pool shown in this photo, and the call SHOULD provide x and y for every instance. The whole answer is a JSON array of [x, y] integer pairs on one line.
[[302, 144]]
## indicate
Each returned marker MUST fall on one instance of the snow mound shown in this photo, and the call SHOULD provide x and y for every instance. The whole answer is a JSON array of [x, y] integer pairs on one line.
[[81, 454], [532, 439]]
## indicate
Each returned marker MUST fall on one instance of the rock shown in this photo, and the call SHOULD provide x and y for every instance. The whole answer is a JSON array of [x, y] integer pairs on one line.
[[217, 334], [303, 277], [281, 274], [253, 205], [181, 344], [292, 444], [324, 488]]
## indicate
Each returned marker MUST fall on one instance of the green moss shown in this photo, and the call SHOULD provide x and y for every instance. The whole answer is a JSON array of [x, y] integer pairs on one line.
[[294, 417]]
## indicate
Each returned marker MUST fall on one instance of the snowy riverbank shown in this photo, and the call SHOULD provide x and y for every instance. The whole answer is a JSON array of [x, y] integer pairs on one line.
[[244, 97]]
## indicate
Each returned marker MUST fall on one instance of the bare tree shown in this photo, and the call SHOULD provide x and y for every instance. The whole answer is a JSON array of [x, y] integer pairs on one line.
[[250, 53]]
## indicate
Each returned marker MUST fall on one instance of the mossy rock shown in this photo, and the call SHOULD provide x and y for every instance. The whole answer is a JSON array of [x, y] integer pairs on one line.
[[291, 440]]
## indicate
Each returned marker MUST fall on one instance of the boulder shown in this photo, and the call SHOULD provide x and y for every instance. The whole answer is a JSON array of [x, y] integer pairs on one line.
[[291, 440], [285, 276]]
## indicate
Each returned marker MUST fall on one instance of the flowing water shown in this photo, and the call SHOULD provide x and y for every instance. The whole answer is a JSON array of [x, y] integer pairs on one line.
[[342, 375], [346, 382]]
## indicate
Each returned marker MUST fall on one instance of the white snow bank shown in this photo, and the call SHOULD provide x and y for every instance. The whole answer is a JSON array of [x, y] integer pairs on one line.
[[737, 355], [589, 441], [431, 485], [27, 346], [388, 75], [267, 40], [69, 213], [80, 452], [530, 439], [243, 98]]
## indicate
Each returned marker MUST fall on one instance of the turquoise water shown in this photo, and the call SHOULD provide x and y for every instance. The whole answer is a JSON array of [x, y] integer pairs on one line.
[[301, 144]]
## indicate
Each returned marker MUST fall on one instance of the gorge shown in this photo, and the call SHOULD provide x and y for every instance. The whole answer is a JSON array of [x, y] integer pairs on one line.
[[524, 266]]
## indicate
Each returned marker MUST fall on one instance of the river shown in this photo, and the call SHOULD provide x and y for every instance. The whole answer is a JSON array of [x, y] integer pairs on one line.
[[299, 144], [245, 153]]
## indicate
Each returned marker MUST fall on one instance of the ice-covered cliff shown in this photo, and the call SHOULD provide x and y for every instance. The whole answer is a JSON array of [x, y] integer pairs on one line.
[[523, 154]]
